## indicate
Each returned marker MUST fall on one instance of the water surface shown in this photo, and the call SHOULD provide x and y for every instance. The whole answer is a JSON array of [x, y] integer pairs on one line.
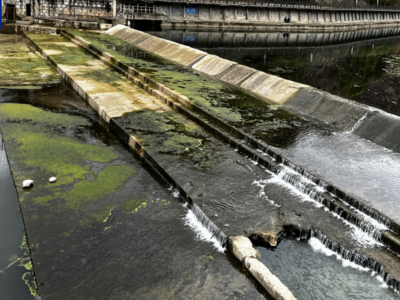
[[311, 272]]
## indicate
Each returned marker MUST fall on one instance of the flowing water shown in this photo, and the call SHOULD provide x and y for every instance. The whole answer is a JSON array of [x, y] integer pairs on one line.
[[311, 271]]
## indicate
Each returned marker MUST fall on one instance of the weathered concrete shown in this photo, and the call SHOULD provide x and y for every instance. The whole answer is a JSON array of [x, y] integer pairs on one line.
[[213, 65], [300, 99], [21, 66], [242, 248], [268, 280]]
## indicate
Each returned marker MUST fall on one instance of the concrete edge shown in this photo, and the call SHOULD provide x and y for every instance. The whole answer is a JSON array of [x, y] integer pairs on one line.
[[242, 248]]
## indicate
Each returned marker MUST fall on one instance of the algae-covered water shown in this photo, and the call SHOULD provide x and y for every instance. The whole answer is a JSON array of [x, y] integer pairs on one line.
[[359, 65], [311, 271]]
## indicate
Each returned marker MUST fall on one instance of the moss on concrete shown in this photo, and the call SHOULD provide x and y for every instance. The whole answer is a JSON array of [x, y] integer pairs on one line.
[[22, 67], [39, 146]]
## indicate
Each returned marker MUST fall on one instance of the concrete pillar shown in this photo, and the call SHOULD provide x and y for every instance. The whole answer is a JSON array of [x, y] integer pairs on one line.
[[114, 8], [184, 11], [210, 13]]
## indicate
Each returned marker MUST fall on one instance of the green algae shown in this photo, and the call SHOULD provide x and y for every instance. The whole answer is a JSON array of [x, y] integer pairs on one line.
[[108, 181], [21, 68], [38, 145], [102, 42], [19, 112], [133, 205], [99, 216], [207, 259], [29, 280]]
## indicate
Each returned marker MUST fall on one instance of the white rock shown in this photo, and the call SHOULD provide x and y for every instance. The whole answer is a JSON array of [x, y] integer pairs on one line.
[[27, 183], [52, 179], [241, 247]]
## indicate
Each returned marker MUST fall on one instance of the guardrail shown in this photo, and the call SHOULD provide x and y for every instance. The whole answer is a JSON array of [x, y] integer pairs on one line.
[[292, 4], [86, 18]]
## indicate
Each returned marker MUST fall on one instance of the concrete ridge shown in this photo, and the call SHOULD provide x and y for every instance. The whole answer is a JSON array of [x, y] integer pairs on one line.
[[333, 203]]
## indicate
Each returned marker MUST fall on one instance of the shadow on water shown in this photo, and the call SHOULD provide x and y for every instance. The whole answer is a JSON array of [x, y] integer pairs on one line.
[[358, 65], [311, 271], [12, 285]]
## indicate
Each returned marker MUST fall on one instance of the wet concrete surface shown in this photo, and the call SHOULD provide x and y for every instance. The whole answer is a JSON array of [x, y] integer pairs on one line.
[[122, 237], [235, 202], [372, 169], [23, 67], [365, 71]]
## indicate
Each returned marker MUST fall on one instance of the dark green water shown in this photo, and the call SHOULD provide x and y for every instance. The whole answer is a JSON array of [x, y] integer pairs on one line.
[[12, 285]]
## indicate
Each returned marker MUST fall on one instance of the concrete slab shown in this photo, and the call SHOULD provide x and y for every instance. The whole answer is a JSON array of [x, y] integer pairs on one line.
[[273, 89], [238, 74], [213, 65]]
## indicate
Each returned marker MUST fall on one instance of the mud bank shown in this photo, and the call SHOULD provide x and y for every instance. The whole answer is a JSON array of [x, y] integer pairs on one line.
[[245, 197]]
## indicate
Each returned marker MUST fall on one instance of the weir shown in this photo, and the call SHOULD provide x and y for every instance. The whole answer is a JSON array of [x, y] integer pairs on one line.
[[196, 133], [155, 159]]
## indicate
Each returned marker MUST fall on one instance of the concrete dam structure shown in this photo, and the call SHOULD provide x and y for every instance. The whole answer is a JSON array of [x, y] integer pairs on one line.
[[227, 160]]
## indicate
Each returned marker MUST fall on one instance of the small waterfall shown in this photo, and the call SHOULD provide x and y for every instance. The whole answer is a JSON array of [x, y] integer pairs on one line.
[[311, 188], [356, 258], [358, 123], [364, 232], [204, 228]]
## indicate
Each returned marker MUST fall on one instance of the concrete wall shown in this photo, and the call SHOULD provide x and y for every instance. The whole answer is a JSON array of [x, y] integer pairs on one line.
[[212, 16]]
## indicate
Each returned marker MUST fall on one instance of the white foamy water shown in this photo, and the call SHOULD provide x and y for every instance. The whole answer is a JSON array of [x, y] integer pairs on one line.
[[358, 123], [317, 246], [261, 184], [361, 237], [202, 234]]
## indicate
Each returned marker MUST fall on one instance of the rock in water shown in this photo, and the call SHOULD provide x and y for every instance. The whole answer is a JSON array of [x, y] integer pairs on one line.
[[27, 183], [52, 179]]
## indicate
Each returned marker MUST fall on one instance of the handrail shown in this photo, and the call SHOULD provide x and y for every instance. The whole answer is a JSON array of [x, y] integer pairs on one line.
[[292, 4]]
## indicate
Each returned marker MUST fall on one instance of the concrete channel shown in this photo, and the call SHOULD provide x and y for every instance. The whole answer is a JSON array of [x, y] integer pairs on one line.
[[189, 144]]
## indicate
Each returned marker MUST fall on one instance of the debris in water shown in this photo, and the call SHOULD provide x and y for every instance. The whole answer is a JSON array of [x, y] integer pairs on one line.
[[216, 215], [27, 183], [226, 225], [52, 179]]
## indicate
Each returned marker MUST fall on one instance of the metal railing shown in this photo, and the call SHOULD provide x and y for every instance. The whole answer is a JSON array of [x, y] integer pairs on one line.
[[68, 17], [292, 4]]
